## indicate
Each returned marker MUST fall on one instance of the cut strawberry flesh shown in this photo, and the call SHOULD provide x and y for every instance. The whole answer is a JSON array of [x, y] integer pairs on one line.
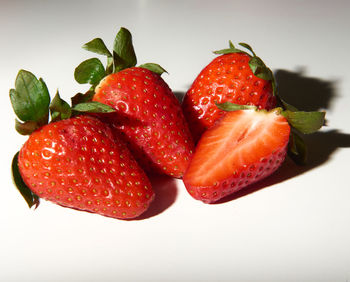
[[239, 144]]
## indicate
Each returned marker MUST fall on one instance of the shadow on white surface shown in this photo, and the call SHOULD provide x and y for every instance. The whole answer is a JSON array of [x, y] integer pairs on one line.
[[165, 190], [303, 92]]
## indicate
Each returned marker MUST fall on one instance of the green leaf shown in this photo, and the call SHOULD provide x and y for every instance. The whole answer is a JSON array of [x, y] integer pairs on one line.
[[93, 107], [30, 99], [123, 51], [153, 67], [28, 195], [228, 51], [247, 46], [305, 122], [231, 49], [231, 44], [259, 69], [297, 149], [230, 107], [90, 71], [223, 51], [110, 66], [83, 97], [60, 109], [285, 105], [254, 64], [97, 46], [27, 127]]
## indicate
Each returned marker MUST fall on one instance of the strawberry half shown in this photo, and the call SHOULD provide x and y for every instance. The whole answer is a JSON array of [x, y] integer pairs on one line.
[[75, 162], [235, 76], [147, 114], [243, 147]]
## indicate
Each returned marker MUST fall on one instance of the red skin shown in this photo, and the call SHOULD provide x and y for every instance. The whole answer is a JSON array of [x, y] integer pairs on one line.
[[228, 78], [77, 163], [240, 149], [150, 119]]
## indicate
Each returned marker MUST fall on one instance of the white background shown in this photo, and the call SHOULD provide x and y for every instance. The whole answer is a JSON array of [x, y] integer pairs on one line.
[[292, 227]]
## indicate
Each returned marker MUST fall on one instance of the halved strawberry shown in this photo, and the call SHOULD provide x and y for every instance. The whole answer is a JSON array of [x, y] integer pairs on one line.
[[243, 147]]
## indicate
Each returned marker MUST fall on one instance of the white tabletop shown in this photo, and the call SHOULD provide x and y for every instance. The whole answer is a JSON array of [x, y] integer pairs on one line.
[[295, 226]]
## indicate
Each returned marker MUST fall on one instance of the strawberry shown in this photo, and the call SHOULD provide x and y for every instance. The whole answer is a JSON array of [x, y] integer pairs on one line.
[[235, 76], [147, 113], [75, 162], [243, 147], [150, 118]]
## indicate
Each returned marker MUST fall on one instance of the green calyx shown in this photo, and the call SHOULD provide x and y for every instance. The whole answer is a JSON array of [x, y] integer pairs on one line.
[[32, 104], [122, 56], [30, 101], [300, 122], [256, 64]]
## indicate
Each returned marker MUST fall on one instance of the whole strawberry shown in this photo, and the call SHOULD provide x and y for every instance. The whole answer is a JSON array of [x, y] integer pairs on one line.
[[243, 147], [75, 162], [147, 113], [235, 76]]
